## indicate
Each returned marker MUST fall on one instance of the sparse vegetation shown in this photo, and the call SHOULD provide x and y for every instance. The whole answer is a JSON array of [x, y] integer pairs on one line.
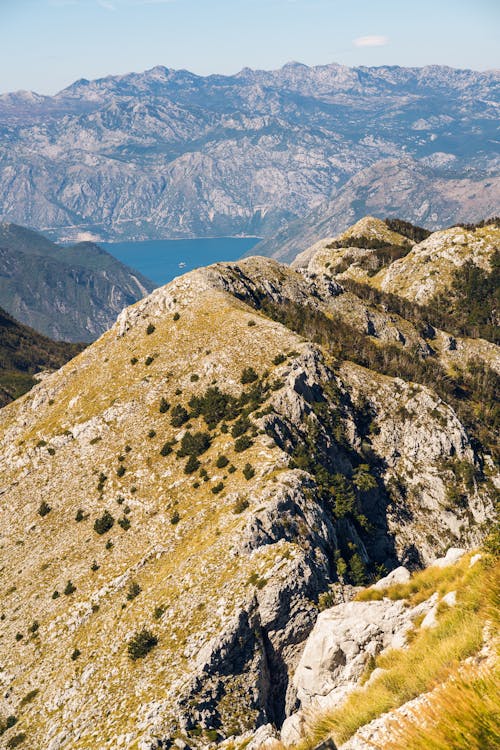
[[178, 416], [44, 509], [248, 376], [104, 523], [141, 644]]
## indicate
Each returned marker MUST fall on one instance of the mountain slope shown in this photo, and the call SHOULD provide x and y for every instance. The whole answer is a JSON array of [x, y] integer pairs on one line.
[[72, 293], [411, 190], [192, 482], [23, 353], [167, 153]]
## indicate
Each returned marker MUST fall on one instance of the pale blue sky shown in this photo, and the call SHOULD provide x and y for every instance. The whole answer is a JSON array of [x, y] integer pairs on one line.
[[47, 44]]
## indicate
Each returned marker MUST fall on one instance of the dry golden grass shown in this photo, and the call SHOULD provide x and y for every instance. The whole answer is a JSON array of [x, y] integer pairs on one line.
[[433, 655]]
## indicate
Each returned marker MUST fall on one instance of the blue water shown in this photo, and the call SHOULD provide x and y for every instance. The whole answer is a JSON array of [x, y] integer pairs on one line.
[[159, 259]]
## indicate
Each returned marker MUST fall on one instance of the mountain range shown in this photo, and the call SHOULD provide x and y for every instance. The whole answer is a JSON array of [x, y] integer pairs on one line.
[[69, 293], [192, 508], [166, 153]]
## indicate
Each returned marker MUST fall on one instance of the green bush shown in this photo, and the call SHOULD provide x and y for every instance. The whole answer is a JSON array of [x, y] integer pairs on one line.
[[248, 376], [70, 588], [16, 740], [178, 416], [44, 509], [221, 462], [76, 653], [158, 613], [150, 329], [152, 433], [134, 361], [149, 360], [124, 523], [141, 644], [164, 405], [104, 523], [194, 444], [80, 515], [218, 488], [214, 406], [248, 471], [240, 427], [192, 464], [55, 595], [279, 359], [176, 316], [133, 590], [242, 444], [121, 470], [240, 505], [175, 518], [167, 448]]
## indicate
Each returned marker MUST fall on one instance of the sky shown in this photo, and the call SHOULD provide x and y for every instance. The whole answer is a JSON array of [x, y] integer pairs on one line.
[[47, 44]]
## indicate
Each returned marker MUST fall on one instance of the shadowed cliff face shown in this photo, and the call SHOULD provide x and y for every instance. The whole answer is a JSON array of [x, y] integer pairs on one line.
[[170, 154], [205, 471]]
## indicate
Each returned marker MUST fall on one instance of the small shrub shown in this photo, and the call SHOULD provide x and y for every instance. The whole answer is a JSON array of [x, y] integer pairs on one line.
[[240, 505], [134, 361], [192, 465], [33, 628], [242, 444], [218, 488], [120, 500], [7, 723], [251, 323], [152, 434], [176, 316], [248, 471], [124, 523], [76, 653], [16, 740], [55, 595], [279, 359], [104, 523], [150, 329], [164, 405], [133, 590], [231, 469], [179, 416], [127, 449], [141, 644], [109, 544], [167, 448], [194, 377], [149, 360], [240, 427], [19, 636], [194, 444], [248, 376], [158, 613], [221, 462], [69, 589], [94, 566], [175, 518], [80, 515], [44, 509], [121, 470]]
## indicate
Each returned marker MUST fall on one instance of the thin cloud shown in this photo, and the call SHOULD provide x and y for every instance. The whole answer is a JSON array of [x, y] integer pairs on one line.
[[106, 4], [371, 41]]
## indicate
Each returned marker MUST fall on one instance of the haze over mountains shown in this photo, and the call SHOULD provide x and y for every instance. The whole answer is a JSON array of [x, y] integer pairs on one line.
[[167, 153]]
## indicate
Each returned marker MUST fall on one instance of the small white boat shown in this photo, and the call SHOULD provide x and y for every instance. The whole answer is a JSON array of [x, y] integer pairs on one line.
[[182, 264]]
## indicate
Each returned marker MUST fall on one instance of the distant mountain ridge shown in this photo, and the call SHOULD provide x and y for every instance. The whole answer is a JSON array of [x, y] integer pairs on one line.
[[67, 293], [396, 188], [169, 154]]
